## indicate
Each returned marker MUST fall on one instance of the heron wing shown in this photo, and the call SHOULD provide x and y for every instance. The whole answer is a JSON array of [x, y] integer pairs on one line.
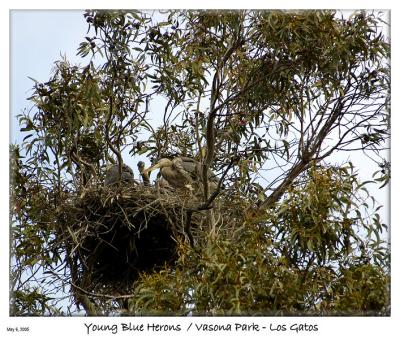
[[187, 159], [175, 177], [193, 168], [186, 169]]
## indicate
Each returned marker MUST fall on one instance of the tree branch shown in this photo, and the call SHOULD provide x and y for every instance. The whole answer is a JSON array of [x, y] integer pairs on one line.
[[109, 143]]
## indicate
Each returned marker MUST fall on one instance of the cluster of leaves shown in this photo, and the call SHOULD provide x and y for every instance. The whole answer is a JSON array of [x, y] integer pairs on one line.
[[31, 302], [34, 249], [326, 213]]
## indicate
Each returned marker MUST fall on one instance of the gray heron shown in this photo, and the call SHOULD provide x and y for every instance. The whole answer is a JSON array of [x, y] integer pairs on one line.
[[112, 175], [181, 172]]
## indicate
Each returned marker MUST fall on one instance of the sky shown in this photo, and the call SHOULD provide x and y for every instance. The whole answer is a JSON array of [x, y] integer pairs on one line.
[[36, 40]]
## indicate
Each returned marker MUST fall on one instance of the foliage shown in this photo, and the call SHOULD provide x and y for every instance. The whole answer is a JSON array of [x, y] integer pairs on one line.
[[265, 99], [313, 268]]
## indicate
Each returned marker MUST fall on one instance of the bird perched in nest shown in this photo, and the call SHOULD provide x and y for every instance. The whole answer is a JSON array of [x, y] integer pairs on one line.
[[183, 172], [112, 175], [145, 176]]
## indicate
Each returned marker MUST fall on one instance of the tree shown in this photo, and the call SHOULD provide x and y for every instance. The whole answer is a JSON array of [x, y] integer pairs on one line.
[[263, 98]]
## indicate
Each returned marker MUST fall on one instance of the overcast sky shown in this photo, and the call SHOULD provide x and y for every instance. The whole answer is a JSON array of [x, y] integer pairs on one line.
[[37, 39]]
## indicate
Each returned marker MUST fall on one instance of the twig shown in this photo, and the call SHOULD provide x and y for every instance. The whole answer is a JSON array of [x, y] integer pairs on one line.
[[98, 295]]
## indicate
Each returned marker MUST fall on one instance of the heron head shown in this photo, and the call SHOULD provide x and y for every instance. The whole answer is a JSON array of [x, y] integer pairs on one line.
[[140, 166], [164, 162]]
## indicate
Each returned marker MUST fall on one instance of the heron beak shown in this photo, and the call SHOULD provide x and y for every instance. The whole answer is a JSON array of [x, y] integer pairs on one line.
[[151, 168]]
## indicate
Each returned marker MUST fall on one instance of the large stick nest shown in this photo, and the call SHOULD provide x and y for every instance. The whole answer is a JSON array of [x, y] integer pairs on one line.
[[115, 233]]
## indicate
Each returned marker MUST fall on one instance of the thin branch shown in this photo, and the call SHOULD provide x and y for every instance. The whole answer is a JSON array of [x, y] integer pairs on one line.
[[107, 134]]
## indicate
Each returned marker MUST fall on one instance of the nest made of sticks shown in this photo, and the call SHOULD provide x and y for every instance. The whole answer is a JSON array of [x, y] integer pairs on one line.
[[114, 233]]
